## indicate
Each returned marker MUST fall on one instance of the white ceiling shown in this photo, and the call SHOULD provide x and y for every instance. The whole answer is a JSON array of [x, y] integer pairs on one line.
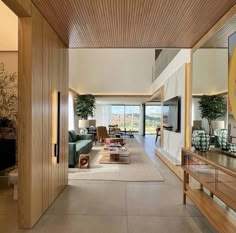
[[111, 71], [121, 100]]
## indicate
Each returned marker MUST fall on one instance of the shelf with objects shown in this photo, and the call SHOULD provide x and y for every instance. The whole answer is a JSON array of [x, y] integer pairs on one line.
[[215, 172]]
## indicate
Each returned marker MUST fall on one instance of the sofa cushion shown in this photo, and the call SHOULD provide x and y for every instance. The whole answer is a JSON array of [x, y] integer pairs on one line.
[[81, 144], [73, 136], [70, 138]]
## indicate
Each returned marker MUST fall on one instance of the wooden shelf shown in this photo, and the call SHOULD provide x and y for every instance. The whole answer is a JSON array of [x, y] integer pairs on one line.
[[216, 159], [222, 220], [216, 172]]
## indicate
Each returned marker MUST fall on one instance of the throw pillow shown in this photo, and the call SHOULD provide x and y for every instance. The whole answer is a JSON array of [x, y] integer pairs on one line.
[[73, 135]]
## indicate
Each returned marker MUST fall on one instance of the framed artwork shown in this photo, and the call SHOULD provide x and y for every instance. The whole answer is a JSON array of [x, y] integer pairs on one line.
[[232, 89]]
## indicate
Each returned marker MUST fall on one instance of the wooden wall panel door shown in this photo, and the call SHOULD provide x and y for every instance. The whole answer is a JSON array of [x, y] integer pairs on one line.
[[24, 121], [54, 89], [43, 71], [46, 119], [37, 116]]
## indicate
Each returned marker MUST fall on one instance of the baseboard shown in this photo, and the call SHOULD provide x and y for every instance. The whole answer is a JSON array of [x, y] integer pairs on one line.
[[175, 168]]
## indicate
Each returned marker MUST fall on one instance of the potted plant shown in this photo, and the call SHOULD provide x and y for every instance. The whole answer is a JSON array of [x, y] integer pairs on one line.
[[212, 107], [84, 105]]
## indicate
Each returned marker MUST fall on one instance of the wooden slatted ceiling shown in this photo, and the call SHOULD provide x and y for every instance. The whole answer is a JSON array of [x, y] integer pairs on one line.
[[132, 23]]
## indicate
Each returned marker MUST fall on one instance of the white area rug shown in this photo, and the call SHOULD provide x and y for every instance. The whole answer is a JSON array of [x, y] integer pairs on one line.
[[140, 168]]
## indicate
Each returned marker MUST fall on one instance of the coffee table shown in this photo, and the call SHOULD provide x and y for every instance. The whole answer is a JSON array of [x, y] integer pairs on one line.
[[115, 155]]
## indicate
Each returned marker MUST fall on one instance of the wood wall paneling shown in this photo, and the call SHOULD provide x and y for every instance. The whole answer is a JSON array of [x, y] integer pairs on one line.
[[24, 121], [21, 8], [43, 71], [139, 23], [46, 118], [37, 116]]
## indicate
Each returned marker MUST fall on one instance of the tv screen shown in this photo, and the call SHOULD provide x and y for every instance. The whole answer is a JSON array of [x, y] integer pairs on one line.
[[171, 114]]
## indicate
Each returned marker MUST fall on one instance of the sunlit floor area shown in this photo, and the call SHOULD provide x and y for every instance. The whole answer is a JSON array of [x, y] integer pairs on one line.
[[118, 207]]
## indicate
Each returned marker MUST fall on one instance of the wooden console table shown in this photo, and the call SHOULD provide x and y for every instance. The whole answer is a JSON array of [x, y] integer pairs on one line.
[[216, 172]]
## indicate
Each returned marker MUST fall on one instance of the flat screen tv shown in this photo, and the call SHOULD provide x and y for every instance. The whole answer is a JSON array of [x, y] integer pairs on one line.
[[172, 114]]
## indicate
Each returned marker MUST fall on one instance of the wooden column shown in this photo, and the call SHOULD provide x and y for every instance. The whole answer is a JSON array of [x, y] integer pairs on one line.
[[188, 105]]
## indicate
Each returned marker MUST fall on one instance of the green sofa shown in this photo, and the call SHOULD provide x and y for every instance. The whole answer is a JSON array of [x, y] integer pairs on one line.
[[78, 144]]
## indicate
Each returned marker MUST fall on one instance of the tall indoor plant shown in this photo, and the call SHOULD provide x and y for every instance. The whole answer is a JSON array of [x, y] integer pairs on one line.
[[212, 107], [84, 105]]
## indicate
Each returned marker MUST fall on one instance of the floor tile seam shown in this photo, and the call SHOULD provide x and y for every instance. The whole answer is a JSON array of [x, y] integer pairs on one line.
[[126, 207], [70, 214], [161, 216], [156, 215], [125, 182]]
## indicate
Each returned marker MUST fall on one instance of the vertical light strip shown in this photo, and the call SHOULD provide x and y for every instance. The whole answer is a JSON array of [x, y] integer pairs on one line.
[[54, 125], [58, 125]]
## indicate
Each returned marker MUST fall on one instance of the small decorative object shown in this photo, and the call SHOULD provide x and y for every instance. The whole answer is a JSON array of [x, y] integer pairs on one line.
[[232, 148], [222, 139], [200, 140], [84, 161], [83, 131]]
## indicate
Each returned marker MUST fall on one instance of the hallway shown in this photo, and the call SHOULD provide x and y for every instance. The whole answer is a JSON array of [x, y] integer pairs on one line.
[[121, 207]]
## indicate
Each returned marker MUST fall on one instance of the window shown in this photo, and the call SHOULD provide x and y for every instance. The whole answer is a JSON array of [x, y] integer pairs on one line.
[[152, 118], [126, 117]]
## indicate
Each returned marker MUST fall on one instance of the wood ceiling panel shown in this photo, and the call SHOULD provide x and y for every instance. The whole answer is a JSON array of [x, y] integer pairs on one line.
[[132, 23]]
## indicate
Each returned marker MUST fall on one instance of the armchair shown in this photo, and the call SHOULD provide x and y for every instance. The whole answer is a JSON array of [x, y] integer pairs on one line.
[[102, 133]]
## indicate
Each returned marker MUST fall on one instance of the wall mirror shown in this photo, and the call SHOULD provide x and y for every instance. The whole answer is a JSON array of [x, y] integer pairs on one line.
[[210, 68]]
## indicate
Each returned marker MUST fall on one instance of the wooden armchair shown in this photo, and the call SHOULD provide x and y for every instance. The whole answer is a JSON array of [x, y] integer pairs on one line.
[[113, 130], [102, 133]]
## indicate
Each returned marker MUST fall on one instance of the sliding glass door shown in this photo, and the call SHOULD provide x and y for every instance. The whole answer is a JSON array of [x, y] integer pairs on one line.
[[152, 118], [126, 117], [118, 116]]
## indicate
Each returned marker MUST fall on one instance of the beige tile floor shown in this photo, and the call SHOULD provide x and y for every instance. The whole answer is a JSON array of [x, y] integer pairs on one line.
[[114, 207]]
